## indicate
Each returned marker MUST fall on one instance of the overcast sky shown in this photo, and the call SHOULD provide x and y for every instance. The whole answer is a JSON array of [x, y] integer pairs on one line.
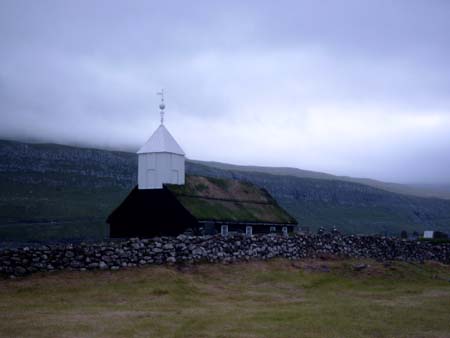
[[359, 88]]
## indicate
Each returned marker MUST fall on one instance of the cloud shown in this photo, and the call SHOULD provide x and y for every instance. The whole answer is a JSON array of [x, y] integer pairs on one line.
[[352, 87]]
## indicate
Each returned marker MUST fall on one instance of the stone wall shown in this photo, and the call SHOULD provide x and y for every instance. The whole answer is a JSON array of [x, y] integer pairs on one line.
[[116, 255]]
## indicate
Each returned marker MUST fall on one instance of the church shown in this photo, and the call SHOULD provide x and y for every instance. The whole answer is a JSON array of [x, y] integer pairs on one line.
[[167, 202]]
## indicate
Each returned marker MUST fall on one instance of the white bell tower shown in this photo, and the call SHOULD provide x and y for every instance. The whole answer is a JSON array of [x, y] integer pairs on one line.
[[161, 159]]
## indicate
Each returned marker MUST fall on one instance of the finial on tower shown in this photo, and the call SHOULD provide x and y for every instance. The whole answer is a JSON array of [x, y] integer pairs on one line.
[[162, 106]]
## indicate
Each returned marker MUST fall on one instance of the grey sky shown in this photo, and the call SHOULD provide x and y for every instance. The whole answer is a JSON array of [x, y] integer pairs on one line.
[[356, 88]]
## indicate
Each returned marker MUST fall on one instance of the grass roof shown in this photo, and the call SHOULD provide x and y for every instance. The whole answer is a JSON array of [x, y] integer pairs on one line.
[[213, 199]]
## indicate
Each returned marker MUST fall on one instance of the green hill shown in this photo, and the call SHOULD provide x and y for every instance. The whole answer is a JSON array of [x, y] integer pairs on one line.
[[54, 191]]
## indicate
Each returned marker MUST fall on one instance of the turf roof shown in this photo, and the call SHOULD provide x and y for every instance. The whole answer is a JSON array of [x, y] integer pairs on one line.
[[213, 199]]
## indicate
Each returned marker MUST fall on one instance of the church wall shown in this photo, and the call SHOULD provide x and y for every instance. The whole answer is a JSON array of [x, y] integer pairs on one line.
[[149, 213], [155, 169]]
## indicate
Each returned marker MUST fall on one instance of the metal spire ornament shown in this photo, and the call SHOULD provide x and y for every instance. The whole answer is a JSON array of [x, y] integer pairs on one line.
[[162, 106]]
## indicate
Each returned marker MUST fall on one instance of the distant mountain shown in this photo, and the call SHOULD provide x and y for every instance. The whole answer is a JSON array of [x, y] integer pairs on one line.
[[420, 190], [54, 191]]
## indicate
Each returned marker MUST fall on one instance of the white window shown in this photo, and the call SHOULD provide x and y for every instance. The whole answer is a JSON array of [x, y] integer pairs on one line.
[[248, 231], [428, 234], [285, 231], [224, 230]]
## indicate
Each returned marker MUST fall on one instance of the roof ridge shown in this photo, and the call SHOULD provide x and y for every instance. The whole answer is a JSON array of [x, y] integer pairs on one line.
[[226, 199]]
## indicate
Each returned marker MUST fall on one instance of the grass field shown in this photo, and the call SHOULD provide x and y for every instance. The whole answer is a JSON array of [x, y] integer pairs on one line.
[[279, 298]]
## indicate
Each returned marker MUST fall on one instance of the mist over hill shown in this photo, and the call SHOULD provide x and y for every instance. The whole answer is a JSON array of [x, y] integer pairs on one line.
[[55, 191]]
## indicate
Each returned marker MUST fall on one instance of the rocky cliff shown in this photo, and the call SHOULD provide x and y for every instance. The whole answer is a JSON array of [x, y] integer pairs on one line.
[[54, 191]]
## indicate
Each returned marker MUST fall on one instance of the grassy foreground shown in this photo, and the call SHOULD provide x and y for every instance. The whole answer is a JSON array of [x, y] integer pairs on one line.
[[258, 299]]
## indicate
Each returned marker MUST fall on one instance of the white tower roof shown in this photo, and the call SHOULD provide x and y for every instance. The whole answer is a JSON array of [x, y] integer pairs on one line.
[[161, 142]]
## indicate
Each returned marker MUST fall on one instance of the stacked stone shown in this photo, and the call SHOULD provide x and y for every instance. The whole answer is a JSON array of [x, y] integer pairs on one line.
[[133, 252]]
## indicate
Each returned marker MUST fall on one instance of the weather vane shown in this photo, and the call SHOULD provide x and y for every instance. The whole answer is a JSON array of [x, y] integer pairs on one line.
[[162, 106]]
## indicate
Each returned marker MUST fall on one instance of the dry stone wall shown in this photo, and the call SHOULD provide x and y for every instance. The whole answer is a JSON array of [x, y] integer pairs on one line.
[[115, 255]]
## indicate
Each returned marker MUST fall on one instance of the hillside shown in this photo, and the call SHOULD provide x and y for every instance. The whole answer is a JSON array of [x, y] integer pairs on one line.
[[53, 191], [420, 190], [352, 207]]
